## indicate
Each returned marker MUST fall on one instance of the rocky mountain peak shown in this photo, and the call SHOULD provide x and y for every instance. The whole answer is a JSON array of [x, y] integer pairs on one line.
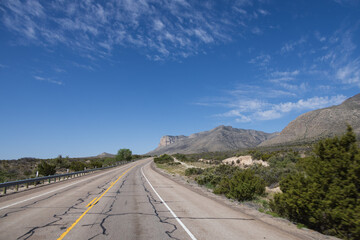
[[221, 138]]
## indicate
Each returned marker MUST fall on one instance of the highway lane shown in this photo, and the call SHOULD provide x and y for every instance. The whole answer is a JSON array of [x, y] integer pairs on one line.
[[122, 204]]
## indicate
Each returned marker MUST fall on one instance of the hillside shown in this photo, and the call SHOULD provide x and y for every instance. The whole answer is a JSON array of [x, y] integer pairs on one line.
[[320, 123], [222, 138]]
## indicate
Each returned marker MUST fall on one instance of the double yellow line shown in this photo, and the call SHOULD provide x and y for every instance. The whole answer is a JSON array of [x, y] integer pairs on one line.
[[91, 204]]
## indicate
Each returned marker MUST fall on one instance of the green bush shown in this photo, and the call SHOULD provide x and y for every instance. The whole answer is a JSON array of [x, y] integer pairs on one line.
[[164, 159], [174, 163], [325, 193], [243, 185], [212, 176], [280, 166], [109, 162], [77, 166], [193, 171], [46, 169], [95, 164]]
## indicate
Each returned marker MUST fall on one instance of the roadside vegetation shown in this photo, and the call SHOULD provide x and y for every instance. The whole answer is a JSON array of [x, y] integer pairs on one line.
[[11, 170], [316, 188], [325, 192]]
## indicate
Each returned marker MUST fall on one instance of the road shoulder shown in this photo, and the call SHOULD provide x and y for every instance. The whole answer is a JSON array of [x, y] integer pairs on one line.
[[280, 223]]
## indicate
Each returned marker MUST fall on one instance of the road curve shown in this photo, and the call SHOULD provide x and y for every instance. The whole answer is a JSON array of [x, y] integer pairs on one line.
[[128, 202]]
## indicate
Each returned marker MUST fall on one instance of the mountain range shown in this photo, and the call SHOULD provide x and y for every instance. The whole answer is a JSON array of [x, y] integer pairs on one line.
[[308, 127], [222, 138]]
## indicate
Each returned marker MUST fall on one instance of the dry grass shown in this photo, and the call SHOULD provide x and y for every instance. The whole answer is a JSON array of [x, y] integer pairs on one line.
[[173, 169]]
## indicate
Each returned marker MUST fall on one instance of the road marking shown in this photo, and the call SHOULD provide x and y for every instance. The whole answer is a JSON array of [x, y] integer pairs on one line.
[[91, 206], [10, 205], [91, 202], [171, 211]]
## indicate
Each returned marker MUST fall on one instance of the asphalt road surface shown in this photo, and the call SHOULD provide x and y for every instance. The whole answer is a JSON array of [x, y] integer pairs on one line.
[[127, 202]]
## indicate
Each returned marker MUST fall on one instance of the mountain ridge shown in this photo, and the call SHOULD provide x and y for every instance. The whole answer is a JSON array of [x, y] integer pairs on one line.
[[221, 138], [320, 123]]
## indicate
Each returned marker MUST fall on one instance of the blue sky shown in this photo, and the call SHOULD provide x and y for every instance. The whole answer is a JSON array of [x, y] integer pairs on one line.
[[79, 78]]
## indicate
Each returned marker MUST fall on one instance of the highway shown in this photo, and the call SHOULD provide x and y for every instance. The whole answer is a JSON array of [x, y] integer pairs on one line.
[[127, 202]]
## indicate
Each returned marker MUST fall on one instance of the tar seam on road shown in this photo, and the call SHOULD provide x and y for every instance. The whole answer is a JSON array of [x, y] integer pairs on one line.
[[92, 205], [171, 211], [10, 205]]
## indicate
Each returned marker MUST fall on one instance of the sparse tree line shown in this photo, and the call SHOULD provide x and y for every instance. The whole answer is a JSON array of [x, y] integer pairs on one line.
[[26, 168]]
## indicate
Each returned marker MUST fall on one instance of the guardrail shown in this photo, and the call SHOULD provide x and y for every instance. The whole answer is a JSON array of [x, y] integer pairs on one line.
[[40, 180]]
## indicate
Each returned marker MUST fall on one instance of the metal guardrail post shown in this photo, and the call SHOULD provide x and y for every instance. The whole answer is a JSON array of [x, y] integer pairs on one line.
[[17, 187], [4, 190]]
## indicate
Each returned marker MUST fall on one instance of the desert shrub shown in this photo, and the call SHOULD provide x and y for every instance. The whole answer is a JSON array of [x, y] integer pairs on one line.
[[77, 166], [95, 164], [174, 163], [46, 169], [280, 166], [193, 171], [109, 162], [164, 159], [212, 176], [325, 193], [243, 185], [181, 157]]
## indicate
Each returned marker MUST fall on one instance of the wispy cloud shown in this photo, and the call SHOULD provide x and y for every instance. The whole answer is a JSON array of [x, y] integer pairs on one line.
[[283, 76], [262, 111], [261, 60], [162, 28], [338, 56], [350, 73], [48, 80], [290, 46]]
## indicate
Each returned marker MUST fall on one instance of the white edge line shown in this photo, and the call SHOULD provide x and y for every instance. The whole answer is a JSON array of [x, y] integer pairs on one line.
[[171, 211], [10, 205]]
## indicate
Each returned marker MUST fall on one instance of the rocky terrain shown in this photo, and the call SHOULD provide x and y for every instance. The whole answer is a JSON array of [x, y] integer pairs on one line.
[[320, 123], [222, 138]]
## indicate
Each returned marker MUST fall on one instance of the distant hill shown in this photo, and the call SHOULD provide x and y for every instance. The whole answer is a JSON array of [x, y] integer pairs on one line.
[[320, 123], [222, 138], [105, 155]]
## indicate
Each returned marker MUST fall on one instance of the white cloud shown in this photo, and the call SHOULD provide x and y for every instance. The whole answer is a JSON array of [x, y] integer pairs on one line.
[[290, 46], [159, 28], [261, 60], [267, 115], [243, 119], [263, 12], [285, 73], [309, 104], [48, 80], [256, 31], [256, 110], [350, 73]]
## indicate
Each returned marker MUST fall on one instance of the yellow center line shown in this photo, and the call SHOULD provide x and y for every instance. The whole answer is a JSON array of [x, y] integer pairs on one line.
[[91, 205], [91, 202]]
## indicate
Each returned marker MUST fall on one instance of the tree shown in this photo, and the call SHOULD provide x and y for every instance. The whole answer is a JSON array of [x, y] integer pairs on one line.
[[124, 155], [46, 169], [325, 193]]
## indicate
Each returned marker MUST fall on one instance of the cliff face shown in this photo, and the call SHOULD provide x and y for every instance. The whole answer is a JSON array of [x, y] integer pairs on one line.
[[320, 123], [167, 140], [222, 138]]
